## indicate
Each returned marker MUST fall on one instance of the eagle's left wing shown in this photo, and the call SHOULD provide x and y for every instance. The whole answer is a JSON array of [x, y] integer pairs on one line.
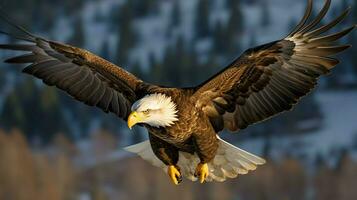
[[271, 78]]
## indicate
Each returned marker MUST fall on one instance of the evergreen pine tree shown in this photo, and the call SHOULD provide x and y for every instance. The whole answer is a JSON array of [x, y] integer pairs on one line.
[[265, 14], [12, 114], [209, 68], [196, 68], [70, 6], [105, 52], [170, 75], [126, 34], [176, 14], [253, 40], [137, 70], [186, 64], [50, 109], [230, 3], [234, 29], [28, 112], [202, 19], [2, 78], [157, 72], [142, 8], [78, 35], [354, 11], [219, 40], [181, 68], [152, 60]]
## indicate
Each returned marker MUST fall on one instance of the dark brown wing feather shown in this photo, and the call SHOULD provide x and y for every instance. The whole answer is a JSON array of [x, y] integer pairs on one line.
[[83, 75], [271, 78]]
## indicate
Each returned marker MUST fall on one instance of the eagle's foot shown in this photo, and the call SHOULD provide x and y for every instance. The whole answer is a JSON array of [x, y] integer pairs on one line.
[[202, 172], [174, 173]]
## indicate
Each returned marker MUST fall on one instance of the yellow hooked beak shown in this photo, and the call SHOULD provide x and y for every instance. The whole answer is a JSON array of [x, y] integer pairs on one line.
[[133, 119]]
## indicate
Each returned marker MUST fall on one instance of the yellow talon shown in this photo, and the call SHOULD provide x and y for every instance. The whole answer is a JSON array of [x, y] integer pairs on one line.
[[202, 172], [174, 174]]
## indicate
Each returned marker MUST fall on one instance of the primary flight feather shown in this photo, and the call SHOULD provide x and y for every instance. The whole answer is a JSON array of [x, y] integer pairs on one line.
[[183, 123]]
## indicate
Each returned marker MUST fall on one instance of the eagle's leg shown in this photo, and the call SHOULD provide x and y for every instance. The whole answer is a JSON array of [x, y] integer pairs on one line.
[[169, 155], [206, 146]]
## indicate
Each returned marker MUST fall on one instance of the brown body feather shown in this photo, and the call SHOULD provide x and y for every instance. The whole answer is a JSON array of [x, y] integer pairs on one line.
[[261, 83]]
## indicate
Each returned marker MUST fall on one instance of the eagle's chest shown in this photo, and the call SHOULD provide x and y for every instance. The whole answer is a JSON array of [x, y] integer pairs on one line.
[[180, 133]]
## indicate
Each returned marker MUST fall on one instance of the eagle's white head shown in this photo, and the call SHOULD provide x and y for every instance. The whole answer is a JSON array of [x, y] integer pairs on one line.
[[156, 110]]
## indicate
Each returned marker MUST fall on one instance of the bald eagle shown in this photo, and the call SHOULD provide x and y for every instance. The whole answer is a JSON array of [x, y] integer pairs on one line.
[[183, 123]]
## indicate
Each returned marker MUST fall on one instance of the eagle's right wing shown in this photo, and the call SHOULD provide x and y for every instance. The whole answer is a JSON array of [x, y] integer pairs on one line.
[[83, 75]]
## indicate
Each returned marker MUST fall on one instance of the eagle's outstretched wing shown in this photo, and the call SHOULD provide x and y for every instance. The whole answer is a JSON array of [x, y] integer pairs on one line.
[[271, 78], [83, 75]]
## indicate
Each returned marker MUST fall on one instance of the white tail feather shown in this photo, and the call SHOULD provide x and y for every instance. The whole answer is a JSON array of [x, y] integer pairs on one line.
[[144, 150], [228, 162]]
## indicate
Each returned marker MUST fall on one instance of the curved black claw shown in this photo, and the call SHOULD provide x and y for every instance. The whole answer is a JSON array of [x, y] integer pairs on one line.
[[179, 178]]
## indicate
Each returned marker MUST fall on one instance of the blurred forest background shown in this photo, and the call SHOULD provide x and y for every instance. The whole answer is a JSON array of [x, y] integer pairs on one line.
[[52, 147]]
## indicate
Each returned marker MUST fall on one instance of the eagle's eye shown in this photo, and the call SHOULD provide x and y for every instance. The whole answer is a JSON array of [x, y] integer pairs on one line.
[[146, 111]]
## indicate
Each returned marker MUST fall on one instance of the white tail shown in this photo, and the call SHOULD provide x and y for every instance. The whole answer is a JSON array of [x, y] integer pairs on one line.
[[228, 162]]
